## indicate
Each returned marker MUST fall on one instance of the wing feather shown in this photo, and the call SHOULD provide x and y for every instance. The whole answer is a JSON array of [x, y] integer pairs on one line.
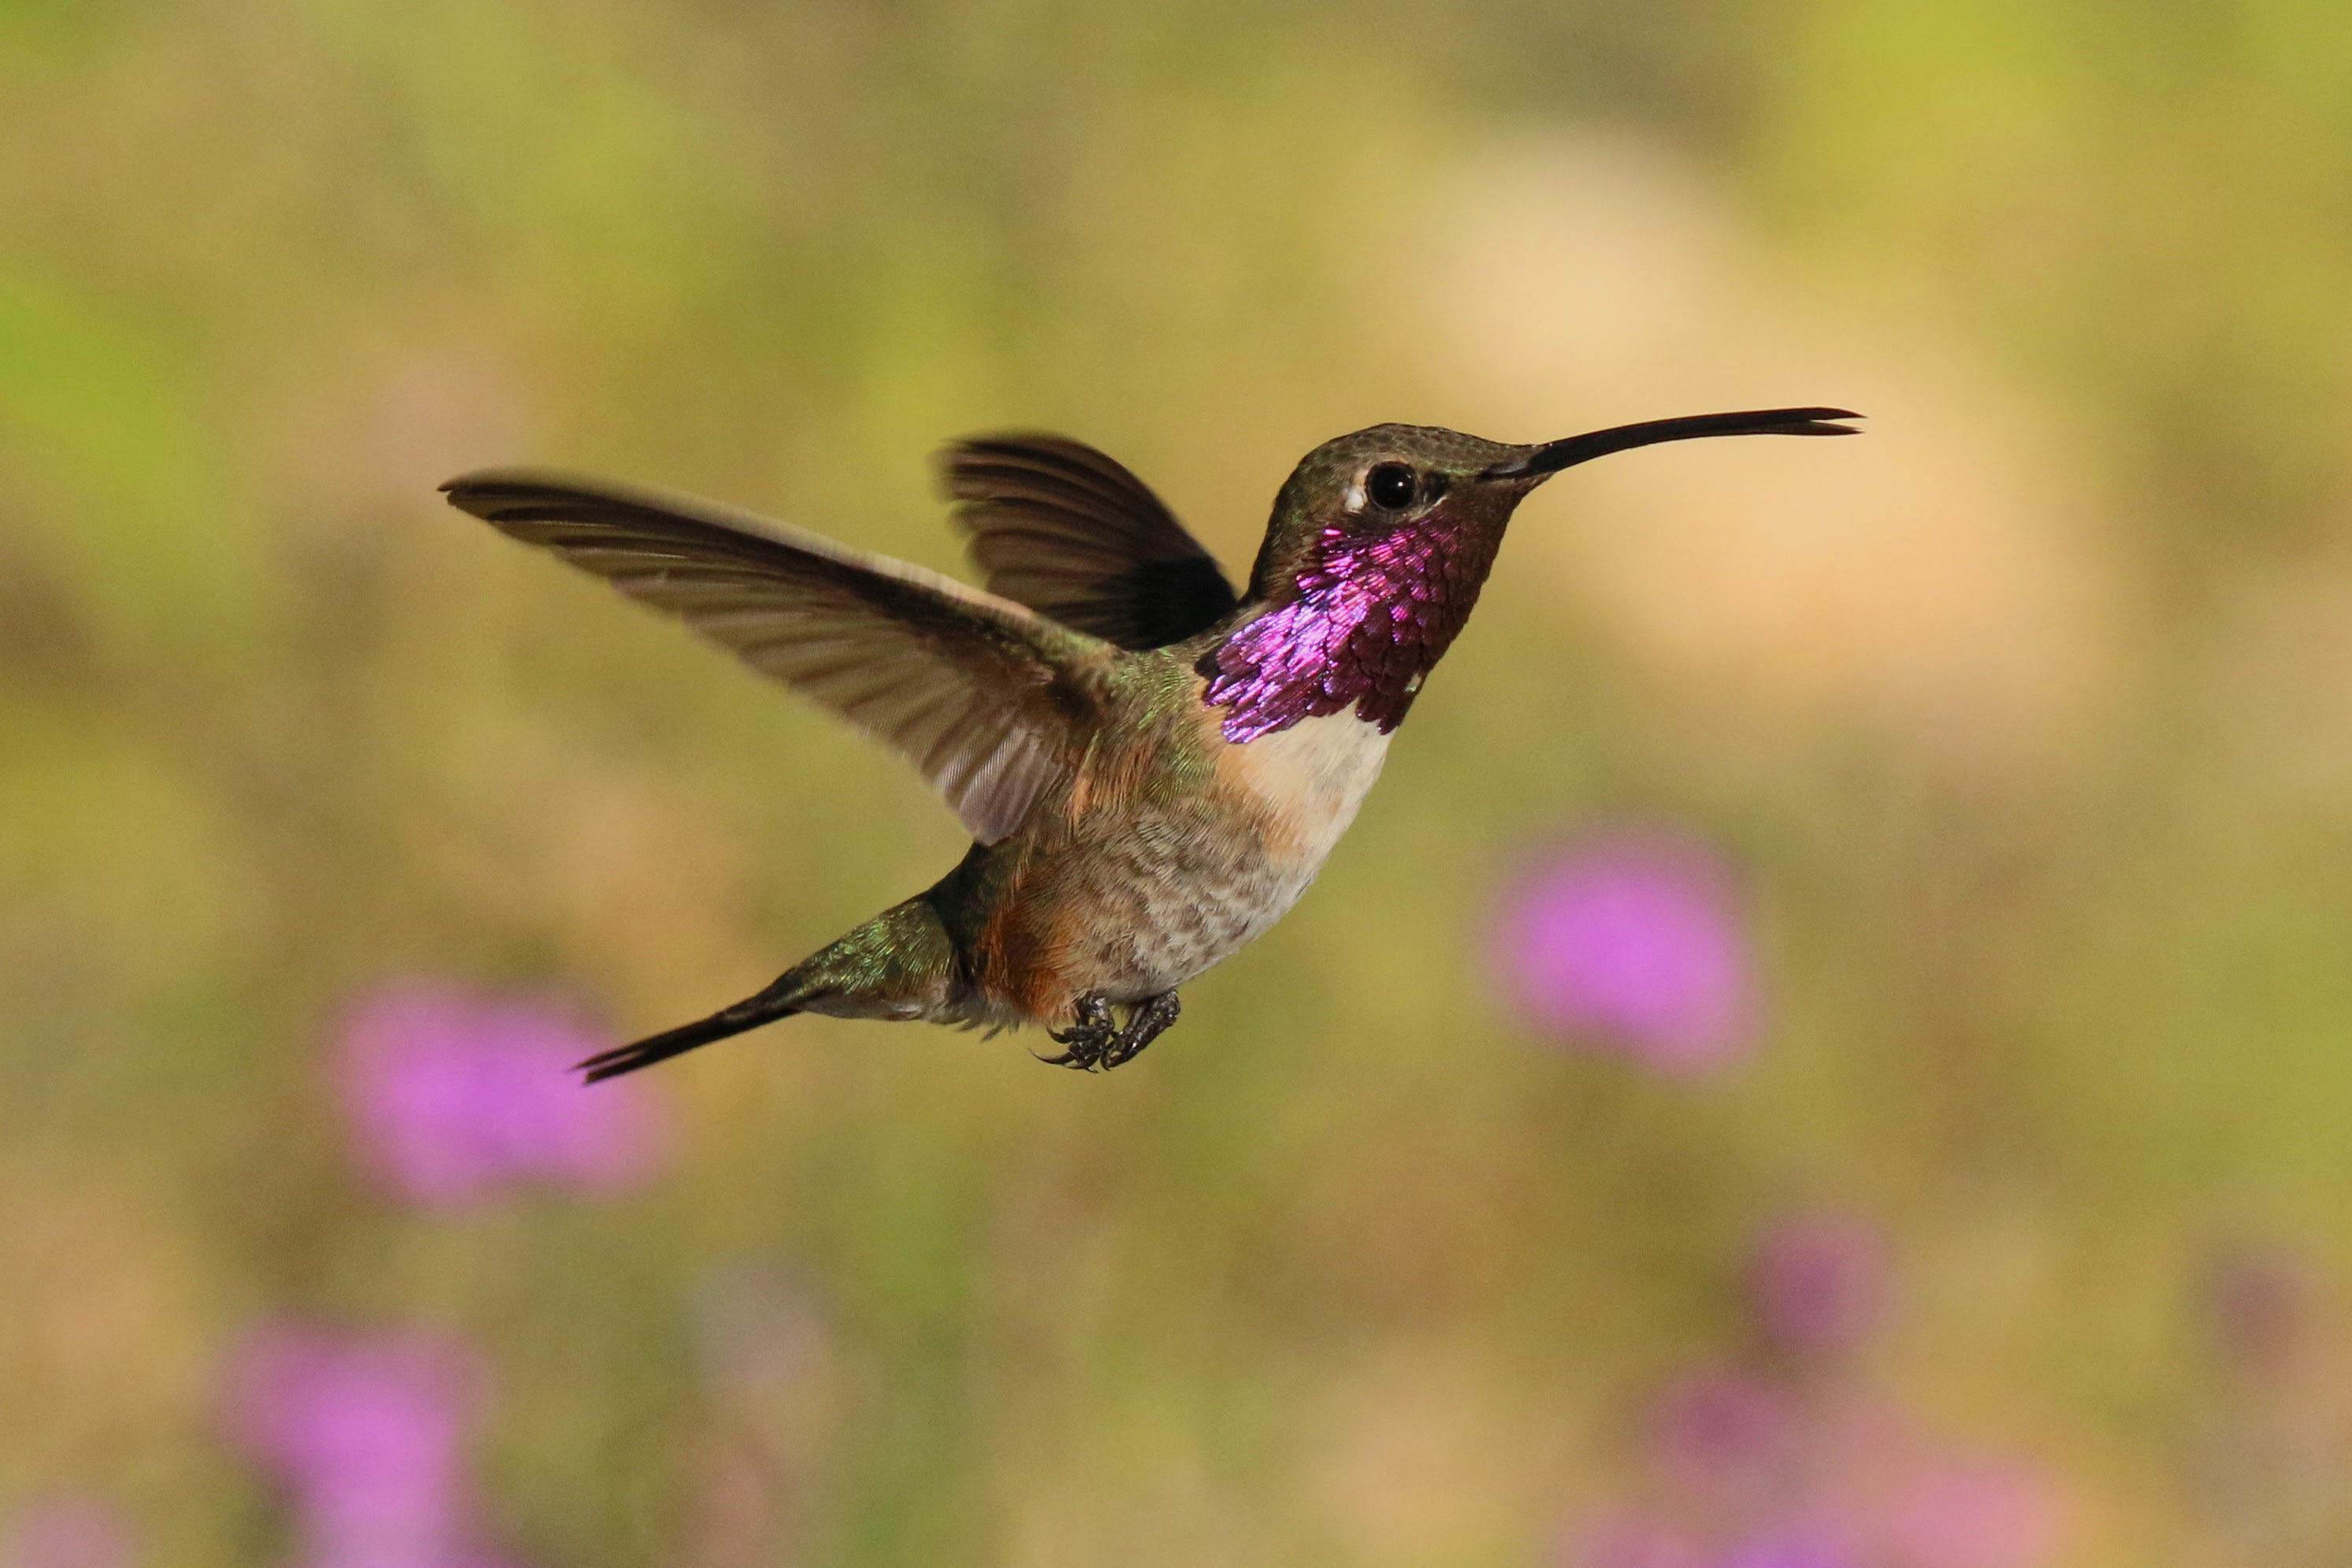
[[1064, 529], [983, 695]]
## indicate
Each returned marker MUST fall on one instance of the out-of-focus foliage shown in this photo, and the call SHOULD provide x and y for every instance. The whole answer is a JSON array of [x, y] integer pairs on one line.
[[2021, 729]]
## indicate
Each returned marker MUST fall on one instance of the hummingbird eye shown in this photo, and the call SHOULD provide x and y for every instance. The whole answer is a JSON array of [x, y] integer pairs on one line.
[[1391, 486]]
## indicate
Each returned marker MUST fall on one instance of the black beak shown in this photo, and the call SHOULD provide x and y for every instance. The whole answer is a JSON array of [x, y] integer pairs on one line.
[[1554, 456]]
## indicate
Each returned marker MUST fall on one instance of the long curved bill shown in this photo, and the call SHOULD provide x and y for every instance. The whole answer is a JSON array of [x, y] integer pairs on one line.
[[1551, 456]]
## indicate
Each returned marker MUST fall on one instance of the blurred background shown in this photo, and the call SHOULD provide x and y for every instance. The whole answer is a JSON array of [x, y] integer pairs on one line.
[[1827, 1049]]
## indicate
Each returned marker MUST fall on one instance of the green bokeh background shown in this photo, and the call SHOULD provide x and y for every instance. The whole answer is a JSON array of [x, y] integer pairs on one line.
[[2028, 719]]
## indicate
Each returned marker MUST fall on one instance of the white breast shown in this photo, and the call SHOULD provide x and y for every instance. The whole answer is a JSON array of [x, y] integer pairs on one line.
[[1314, 775]]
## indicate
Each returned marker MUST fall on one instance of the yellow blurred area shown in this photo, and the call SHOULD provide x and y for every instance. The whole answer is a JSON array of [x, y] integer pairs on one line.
[[2024, 721]]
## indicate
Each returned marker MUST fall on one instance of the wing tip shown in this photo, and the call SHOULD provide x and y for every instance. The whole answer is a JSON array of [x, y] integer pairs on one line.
[[478, 478], [477, 491], [953, 465]]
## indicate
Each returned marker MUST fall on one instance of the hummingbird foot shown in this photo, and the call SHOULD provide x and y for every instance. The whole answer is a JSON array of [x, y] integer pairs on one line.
[[1089, 1039], [1096, 1042], [1146, 1022]]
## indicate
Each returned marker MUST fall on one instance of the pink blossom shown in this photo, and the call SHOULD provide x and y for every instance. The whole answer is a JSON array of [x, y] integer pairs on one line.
[[1975, 1512], [2256, 1303], [1817, 1283], [456, 1096], [1633, 943], [1792, 1548], [366, 1433], [1729, 1435], [66, 1532], [1770, 1465], [1632, 1541]]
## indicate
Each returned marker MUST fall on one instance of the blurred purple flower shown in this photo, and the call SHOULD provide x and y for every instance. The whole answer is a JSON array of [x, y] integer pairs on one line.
[[1634, 941], [2256, 1304], [365, 1430], [1790, 1550], [66, 1532], [1817, 1284], [1630, 1540], [1975, 1512], [455, 1094], [1763, 1466], [366, 1433], [1729, 1435]]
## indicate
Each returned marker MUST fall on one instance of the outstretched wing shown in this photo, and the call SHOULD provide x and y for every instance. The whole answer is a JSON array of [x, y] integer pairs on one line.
[[981, 695], [1063, 529]]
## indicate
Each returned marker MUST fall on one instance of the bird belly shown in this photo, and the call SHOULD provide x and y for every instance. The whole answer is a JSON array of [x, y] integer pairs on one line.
[[1184, 887]]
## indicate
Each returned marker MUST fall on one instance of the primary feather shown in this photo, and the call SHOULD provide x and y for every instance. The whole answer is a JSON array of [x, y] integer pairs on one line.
[[983, 695]]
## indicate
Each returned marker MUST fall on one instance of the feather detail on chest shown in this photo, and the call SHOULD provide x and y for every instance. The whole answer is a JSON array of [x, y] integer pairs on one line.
[[1308, 781], [1369, 616]]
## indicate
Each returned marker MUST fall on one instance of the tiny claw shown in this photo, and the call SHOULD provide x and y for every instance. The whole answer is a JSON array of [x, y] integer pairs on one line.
[[1089, 1039], [1069, 1058]]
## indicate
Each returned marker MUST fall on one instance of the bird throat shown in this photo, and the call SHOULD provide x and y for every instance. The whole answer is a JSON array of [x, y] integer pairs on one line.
[[1368, 617]]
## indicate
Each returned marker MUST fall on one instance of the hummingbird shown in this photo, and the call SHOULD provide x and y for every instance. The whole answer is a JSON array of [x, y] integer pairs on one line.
[[1152, 767]]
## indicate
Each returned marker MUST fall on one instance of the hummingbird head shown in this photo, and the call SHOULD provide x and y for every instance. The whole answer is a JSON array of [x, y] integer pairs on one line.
[[1387, 481], [1421, 478], [1379, 544]]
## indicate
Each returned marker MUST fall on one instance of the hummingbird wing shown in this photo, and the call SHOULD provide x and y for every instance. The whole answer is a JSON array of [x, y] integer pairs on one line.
[[1061, 528], [983, 696]]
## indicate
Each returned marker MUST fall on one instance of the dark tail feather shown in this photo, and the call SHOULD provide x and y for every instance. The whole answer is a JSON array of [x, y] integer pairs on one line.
[[748, 1013]]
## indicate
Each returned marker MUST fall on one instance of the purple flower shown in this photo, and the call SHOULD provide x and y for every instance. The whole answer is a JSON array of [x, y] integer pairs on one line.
[[1790, 1550], [1634, 941], [456, 1094], [1817, 1284], [1975, 1512], [1730, 1437], [2256, 1305], [66, 1532], [1630, 1540], [366, 1433]]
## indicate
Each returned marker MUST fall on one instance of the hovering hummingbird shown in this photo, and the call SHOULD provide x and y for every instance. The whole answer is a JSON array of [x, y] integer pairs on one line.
[[1151, 766]]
